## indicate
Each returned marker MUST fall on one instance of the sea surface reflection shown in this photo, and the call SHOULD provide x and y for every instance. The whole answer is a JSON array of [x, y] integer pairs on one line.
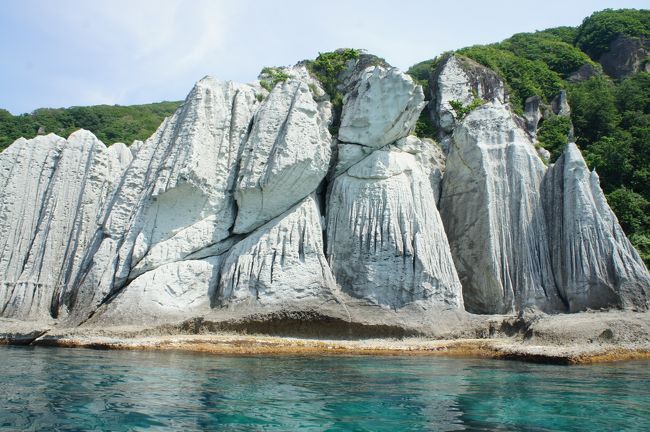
[[78, 389]]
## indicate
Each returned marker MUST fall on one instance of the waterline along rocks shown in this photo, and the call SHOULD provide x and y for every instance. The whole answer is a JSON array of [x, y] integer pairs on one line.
[[262, 197]]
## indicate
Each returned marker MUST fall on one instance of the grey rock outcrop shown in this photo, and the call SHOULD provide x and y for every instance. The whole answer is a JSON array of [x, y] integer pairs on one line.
[[287, 153], [535, 110], [493, 217], [382, 107], [52, 192], [626, 55], [533, 113], [560, 104], [594, 264], [386, 243], [462, 80], [385, 240], [175, 215], [583, 73]]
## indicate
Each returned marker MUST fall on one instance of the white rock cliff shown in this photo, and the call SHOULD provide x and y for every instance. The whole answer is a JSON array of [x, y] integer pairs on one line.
[[243, 202], [52, 192], [523, 235]]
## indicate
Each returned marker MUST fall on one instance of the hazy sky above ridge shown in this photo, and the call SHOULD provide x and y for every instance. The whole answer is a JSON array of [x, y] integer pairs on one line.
[[74, 52]]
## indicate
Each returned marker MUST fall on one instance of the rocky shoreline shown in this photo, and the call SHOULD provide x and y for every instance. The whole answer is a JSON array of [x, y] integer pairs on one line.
[[263, 211], [584, 338]]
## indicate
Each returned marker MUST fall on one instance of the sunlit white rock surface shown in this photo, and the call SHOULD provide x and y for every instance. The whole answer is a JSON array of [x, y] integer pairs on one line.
[[491, 208], [286, 155], [594, 264], [382, 108], [280, 263], [52, 192], [177, 290], [385, 241], [243, 204], [461, 80], [176, 196], [122, 153]]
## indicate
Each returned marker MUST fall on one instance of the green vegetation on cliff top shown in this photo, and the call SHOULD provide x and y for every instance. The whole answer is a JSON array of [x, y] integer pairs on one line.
[[611, 118], [109, 123], [328, 66], [601, 28]]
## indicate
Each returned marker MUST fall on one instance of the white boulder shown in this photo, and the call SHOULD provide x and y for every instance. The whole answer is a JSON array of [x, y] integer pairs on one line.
[[383, 107]]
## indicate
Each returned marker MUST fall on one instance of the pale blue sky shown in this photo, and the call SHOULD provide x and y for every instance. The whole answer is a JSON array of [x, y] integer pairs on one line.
[[76, 52]]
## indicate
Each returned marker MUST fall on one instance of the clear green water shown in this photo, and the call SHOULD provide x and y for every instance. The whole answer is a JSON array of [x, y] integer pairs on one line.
[[77, 389]]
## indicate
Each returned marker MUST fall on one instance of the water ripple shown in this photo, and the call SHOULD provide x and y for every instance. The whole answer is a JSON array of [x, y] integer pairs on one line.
[[75, 389]]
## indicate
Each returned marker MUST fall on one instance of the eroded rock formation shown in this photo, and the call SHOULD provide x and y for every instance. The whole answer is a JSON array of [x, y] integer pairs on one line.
[[626, 55], [493, 216], [53, 190], [381, 108], [462, 80], [175, 198], [386, 242], [522, 234], [287, 154], [594, 264], [282, 262], [244, 201]]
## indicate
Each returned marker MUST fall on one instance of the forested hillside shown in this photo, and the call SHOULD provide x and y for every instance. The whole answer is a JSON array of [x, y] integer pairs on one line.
[[110, 123], [610, 113]]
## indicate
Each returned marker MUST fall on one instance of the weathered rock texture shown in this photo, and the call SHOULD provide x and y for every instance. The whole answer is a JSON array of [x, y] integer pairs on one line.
[[535, 110], [493, 216], [175, 198], [626, 55], [462, 80], [525, 236], [242, 204], [533, 113], [286, 156], [282, 262], [382, 108], [52, 192], [176, 291], [386, 242], [594, 264]]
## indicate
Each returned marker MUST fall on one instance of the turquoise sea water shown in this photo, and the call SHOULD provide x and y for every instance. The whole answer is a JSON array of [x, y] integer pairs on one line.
[[77, 389]]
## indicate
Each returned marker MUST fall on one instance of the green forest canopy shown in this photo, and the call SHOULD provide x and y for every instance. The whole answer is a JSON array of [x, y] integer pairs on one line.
[[110, 123]]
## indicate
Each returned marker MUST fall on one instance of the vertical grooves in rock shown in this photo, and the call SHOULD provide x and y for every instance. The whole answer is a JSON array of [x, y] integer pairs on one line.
[[233, 205]]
